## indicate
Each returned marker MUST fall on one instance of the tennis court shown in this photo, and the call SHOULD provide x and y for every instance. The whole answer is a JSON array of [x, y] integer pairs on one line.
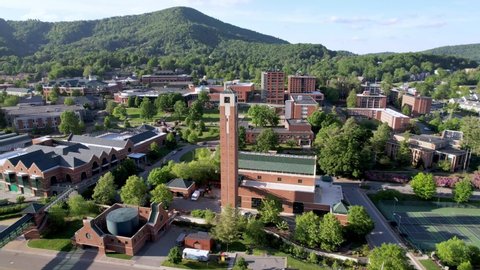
[[424, 224]]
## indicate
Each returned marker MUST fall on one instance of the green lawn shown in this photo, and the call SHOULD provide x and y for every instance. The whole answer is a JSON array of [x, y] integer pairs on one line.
[[119, 256], [135, 119], [188, 264], [429, 264], [59, 240], [291, 261]]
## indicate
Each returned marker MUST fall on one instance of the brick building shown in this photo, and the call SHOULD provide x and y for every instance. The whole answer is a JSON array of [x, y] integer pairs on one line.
[[301, 84], [428, 150], [273, 86], [298, 130], [27, 118], [397, 121], [247, 177], [167, 78], [33, 170], [199, 240], [418, 105], [243, 90], [181, 187], [300, 107], [84, 86], [98, 232], [370, 100]]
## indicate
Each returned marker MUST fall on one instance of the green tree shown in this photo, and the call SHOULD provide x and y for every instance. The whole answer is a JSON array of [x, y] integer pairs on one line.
[[180, 109], [68, 101], [266, 140], [126, 124], [307, 229], [240, 264], [192, 137], [53, 94], [147, 109], [161, 194], [344, 150], [423, 185], [203, 97], [404, 155], [444, 165], [270, 210], [105, 190], [56, 216], [175, 255], [291, 143], [110, 106], [319, 119], [454, 251], [69, 123], [331, 233], [159, 176], [470, 126], [359, 222], [134, 191], [107, 122], [263, 115], [195, 111], [170, 141], [406, 110], [120, 112], [228, 225], [465, 266], [379, 140], [138, 101], [254, 232], [79, 206], [388, 257], [242, 137], [463, 190], [352, 99], [131, 102]]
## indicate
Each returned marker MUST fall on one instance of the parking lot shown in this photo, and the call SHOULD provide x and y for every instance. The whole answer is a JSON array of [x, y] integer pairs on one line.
[[203, 202]]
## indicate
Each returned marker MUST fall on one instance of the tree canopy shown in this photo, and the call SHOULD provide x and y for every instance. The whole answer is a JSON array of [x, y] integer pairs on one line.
[[134, 191], [388, 257], [267, 140], [423, 185], [105, 189], [263, 115], [69, 123]]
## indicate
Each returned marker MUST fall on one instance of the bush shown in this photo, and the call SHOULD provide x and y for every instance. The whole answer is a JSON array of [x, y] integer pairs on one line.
[[312, 258], [387, 177], [446, 181], [20, 199], [9, 209], [207, 214], [174, 255]]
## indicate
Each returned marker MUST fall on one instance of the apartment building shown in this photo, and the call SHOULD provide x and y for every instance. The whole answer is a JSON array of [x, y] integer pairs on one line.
[[418, 105], [273, 86], [299, 106], [301, 84]]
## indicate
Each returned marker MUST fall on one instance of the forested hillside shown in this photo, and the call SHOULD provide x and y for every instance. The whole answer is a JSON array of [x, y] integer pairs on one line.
[[468, 51], [187, 39]]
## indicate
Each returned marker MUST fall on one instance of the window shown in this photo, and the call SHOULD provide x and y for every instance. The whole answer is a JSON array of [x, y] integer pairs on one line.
[[256, 202], [259, 177], [226, 99], [279, 179], [88, 236], [300, 181]]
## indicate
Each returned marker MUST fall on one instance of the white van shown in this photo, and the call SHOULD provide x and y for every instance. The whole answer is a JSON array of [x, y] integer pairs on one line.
[[195, 195], [195, 254]]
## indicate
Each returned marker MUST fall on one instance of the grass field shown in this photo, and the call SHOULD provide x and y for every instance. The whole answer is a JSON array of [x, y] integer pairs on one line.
[[119, 256], [425, 223], [429, 264], [59, 240]]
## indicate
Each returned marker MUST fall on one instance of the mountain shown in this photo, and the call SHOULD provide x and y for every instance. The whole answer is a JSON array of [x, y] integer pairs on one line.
[[468, 51], [167, 31]]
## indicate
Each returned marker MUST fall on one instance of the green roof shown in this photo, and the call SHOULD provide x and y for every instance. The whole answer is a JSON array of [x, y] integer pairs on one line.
[[277, 163], [180, 183], [340, 208]]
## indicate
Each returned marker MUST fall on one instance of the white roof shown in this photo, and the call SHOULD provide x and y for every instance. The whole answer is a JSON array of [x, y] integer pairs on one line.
[[395, 113], [196, 252], [278, 186], [327, 193]]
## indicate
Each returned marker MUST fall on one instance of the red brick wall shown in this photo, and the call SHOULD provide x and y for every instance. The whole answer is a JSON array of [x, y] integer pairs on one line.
[[193, 242]]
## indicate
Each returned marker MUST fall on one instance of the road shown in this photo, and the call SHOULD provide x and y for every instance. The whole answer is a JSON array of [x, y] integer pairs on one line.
[[382, 233]]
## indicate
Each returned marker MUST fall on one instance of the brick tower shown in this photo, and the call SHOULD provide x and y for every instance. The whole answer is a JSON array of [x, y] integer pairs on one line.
[[228, 148]]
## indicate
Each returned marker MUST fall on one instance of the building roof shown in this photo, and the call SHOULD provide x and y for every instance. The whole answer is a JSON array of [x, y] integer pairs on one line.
[[199, 235], [298, 122], [31, 99], [303, 99], [15, 139], [98, 141], [18, 90], [305, 165], [41, 110], [180, 183], [278, 186], [140, 137]]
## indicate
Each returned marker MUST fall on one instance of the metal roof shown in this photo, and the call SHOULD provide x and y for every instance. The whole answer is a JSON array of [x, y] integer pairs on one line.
[[277, 163]]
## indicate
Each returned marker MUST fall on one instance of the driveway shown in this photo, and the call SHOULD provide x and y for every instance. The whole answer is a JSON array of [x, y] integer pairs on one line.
[[182, 204], [264, 262]]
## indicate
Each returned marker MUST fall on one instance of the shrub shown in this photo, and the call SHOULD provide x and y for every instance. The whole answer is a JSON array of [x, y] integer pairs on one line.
[[20, 199], [174, 255], [9, 209], [476, 179], [446, 181], [312, 258], [387, 177]]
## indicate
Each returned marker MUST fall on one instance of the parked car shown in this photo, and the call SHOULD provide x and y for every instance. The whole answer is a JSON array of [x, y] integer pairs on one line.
[[195, 195]]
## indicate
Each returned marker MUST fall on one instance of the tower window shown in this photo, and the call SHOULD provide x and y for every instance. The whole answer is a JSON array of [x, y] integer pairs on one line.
[[226, 99], [300, 181], [279, 179], [259, 177]]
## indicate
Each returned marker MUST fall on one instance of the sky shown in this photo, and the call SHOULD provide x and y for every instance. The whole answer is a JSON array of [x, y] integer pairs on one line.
[[361, 27]]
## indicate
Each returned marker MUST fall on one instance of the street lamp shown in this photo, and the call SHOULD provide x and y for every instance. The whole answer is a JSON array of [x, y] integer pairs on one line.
[[399, 220], [395, 200]]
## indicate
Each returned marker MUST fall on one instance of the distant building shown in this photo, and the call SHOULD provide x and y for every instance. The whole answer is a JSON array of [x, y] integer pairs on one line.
[[468, 105], [418, 105], [299, 106], [123, 229], [122, 96], [396, 120], [167, 78], [428, 150], [301, 84], [20, 92], [27, 118], [273, 86], [371, 100], [83, 86], [372, 88], [297, 130], [31, 100]]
